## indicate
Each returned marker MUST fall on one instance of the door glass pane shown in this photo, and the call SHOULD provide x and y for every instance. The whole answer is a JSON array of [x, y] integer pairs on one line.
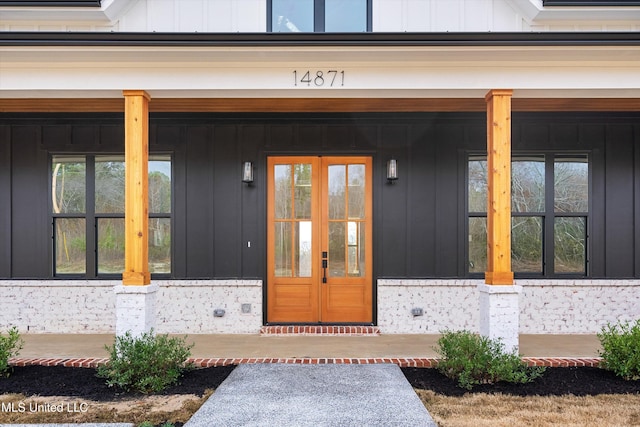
[[336, 249], [345, 16], [68, 189], [292, 16], [570, 245], [571, 184], [356, 191], [109, 184], [477, 184], [282, 239], [160, 245], [282, 178], [337, 191], [477, 245], [110, 245], [527, 184], [70, 245], [302, 193], [356, 249], [526, 244], [303, 249], [159, 184]]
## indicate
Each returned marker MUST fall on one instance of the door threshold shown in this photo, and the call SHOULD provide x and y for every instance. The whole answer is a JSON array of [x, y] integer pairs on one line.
[[325, 330]]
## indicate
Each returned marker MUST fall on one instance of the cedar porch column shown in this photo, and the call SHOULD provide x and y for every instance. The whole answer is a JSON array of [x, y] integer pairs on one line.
[[499, 203], [136, 188], [499, 305], [136, 297]]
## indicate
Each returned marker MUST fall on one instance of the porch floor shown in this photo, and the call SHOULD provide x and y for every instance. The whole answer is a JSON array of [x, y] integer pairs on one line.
[[211, 350]]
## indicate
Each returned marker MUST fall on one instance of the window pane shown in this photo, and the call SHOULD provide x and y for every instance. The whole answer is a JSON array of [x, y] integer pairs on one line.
[[477, 245], [356, 191], [526, 244], [527, 184], [282, 241], [159, 184], [570, 245], [302, 189], [68, 184], [109, 184], [477, 184], [571, 184], [303, 249], [110, 245], [345, 16], [160, 245], [292, 16], [356, 249], [337, 191], [282, 177], [336, 249], [70, 245]]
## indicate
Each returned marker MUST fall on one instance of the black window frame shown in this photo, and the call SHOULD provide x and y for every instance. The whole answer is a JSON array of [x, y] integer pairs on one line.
[[91, 219], [548, 215], [318, 16]]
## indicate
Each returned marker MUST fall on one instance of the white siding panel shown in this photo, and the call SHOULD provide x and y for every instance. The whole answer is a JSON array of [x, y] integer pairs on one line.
[[505, 18], [190, 16], [136, 18], [477, 15], [388, 15], [446, 15], [220, 16], [160, 15], [416, 16]]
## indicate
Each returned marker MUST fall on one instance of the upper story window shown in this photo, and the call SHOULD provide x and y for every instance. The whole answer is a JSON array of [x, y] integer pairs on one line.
[[319, 16], [549, 214], [87, 214]]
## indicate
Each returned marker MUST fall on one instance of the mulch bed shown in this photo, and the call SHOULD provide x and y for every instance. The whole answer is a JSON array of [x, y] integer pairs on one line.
[[578, 381], [82, 382]]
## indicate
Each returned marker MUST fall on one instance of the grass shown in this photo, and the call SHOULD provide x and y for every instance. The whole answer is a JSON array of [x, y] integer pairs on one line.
[[155, 409], [477, 410]]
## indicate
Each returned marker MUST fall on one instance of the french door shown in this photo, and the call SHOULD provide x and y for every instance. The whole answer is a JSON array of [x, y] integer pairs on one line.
[[319, 240]]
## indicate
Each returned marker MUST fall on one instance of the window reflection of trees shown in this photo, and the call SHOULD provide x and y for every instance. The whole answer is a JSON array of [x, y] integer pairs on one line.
[[531, 213]]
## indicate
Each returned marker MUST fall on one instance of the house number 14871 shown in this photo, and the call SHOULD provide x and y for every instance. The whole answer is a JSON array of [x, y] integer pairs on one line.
[[319, 78]]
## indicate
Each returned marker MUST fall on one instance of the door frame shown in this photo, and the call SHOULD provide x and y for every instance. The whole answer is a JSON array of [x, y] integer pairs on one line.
[[320, 218]]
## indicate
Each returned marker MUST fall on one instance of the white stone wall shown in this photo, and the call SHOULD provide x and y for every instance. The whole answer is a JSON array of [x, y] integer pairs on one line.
[[186, 306], [60, 306], [452, 304], [576, 306], [82, 306], [546, 306]]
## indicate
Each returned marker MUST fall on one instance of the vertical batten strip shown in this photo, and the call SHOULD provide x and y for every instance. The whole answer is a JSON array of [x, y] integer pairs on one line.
[[499, 194], [136, 211]]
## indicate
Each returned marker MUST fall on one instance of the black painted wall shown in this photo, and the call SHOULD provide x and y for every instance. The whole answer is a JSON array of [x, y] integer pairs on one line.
[[419, 221]]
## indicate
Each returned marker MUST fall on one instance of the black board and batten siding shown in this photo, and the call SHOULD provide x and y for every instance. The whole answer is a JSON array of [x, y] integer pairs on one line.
[[419, 220]]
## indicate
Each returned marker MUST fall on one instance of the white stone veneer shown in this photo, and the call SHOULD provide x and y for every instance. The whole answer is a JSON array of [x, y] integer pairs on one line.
[[546, 306], [88, 306], [186, 306]]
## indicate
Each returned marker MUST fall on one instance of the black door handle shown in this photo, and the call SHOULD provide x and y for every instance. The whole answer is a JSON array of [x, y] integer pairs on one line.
[[324, 267]]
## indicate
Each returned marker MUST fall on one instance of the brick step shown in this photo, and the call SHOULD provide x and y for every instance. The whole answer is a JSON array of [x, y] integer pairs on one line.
[[320, 330], [416, 362]]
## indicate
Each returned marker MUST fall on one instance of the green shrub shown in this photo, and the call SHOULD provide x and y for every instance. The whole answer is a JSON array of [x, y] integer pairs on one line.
[[147, 364], [10, 346], [621, 349], [472, 359]]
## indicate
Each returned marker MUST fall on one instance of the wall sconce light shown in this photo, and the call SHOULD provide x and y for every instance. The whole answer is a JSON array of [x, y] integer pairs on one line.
[[247, 172], [392, 170]]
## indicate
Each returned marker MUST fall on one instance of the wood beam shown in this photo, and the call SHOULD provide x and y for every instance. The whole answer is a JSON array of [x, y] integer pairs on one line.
[[136, 207], [499, 194], [317, 105]]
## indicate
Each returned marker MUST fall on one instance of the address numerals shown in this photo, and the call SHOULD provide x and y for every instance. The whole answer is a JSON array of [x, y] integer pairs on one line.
[[318, 78]]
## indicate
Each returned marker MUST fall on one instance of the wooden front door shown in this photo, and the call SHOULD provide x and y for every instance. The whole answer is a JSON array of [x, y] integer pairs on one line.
[[319, 240]]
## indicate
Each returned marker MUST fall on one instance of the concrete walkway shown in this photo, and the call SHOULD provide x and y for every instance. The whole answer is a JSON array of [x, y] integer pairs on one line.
[[313, 395], [66, 346]]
